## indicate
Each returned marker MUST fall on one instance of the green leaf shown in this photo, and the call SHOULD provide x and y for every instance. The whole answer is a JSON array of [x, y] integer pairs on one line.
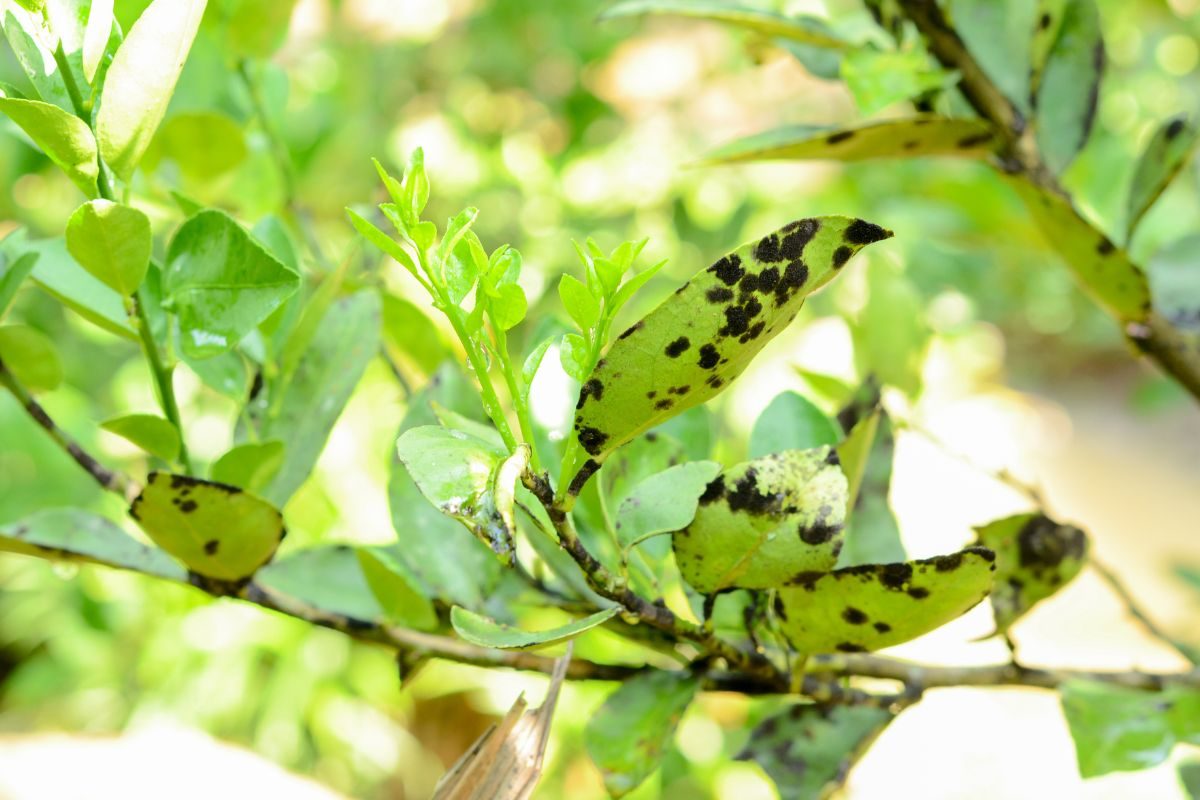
[[703, 336], [1167, 151], [905, 137], [1103, 269], [416, 184], [881, 78], [629, 734], [217, 530], [250, 466], [382, 241], [1175, 282], [467, 479], [33, 45], [410, 336], [997, 35], [95, 38], [890, 333], [1183, 713], [346, 340], [221, 283], [141, 80], [1189, 775], [1049, 16], [229, 373], [580, 304], [763, 521], [70, 534], [111, 241], [868, 607], [328, 579], [63, 137], [489, 633], [13, 273], [791, 422], [397, 589], [204, 144], [1035, 557], [808, 749], [1115, 728], [665, 501], [529, 369], [573, 355], [459, 269], [155, 435], [257, 28], [30, 356], [509, 306], [806, 30], [1068, 87], [631, 286], [872, 534]]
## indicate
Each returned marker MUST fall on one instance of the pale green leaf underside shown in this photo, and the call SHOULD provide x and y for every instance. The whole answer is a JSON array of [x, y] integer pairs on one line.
[[858, 609], [922, 135], [763, 521], [1068, 85], [69, 534], [1104, 270], [665, 501], [218, 531], [703, 336], [1167, 151], [797, 29], [485, 632]]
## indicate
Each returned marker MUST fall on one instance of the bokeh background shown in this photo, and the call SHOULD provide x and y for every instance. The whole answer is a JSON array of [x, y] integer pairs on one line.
[[558, 127]]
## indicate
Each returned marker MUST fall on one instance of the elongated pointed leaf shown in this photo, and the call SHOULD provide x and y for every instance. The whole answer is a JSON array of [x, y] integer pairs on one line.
[[629, 734], [95, 38], [763, 521], [858, 609], [218, 531], [488, 633], [111, 241], [141, 80], [1103, 269], [808, 749], [767, 23], [1167, 151], [397, 589], [1035, 557], [906, 137], [328, 579], [63, 137], [791, 422], [1068, 88], [703, 336], [13, 272], [155, 435], [70, 534], [33, 44]]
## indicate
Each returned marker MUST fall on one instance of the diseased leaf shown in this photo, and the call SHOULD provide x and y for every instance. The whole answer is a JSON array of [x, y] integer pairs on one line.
[[763, 521], [489, 633], [1048, 17], [1115, 728], [71, 534], [30, 356], [141, 80], [398, 591], [63, 137], [1035, 557], [1104, 270], [218, 531], [872, 533], [1165, 155], [704, 335], [155, 435], [904, 137], [665, 501], [346, 340], [250, 466], [221, 283], [112, 242], [806, 30], [627, 737], [1068, 85], [791, 422], [868, 607], [808, 749], [327, 578]]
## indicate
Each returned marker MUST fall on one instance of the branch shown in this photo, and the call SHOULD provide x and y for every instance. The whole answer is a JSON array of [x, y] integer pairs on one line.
[[109, 480]]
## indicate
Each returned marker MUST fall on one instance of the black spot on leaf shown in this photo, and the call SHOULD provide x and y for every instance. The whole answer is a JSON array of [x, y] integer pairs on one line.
[[854, 616], [974, 140], [818, 533], [211, 547], [767, 249], [918, 593], [796, 236], [948, 563], [728, 269], [719, 294], [841, 256], [768, 279], [840, 136], [736, 321], [678, 347], [862, 232], [708, 357], [882, 627], [1104, 246], [714, 491], [188, 506], [632, 329], [592, 439], [1174, 128], [850, 647], [664, 404]]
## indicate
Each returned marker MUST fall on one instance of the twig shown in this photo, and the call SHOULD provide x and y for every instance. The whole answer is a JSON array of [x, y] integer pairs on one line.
[[1135, 610], [110, 480]]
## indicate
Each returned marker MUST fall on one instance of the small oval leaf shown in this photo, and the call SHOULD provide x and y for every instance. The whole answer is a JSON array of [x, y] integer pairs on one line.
[[111, 241], [155, 435]]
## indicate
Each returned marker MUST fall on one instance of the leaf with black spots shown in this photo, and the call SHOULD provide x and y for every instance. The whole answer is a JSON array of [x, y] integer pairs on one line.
[[70, 534], [808, 749], [485, 632], [218, 531], [1068, 83], [1104, 270], [763, 521], [628, 735], [1167, 151], [1035, 557], [702, 337], [872, 533], [864, 608], [906, 137], [805, 30]]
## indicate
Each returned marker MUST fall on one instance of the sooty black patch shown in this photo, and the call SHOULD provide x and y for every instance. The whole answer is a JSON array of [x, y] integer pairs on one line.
[[1105, 246], [862, 232], [806, 580], [918, 593], [755, 331], [752, 308], [736, 321], [715, 381], [678, 347], [768, 279], [719, 294], [211, 547], [708, 357], [911, 144], [967, 142], [797, 235], [854, 616], [1174, 128], [1045, 21], [728, 269], [664, 404], [188, 506], [1043, 544], [746, 496], [841, 256], [593, 388], [948, 563], [582, 477], [840, 136], [767, 249], [850, 647], [714, 491], [894, 576], [592, 439], [882, 627], [632, 329], [818, 532]]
